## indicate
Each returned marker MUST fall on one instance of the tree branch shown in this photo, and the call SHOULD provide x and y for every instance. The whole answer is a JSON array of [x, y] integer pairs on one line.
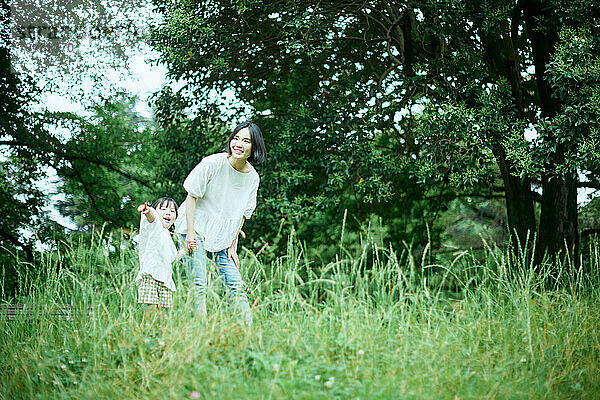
[[8, 236], [91, 197], [72, 156], [591, 185], [589, 232]]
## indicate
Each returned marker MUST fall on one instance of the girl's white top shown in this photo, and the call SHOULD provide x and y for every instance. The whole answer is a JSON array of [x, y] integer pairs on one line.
[[157, 251], [224, 195]]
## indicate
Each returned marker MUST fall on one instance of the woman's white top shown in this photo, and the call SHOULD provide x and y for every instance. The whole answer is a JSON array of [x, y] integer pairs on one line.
[[156, 251], [224, 196]]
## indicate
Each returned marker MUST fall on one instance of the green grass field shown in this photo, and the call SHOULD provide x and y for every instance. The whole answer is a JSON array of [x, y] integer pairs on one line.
[[369, 325]]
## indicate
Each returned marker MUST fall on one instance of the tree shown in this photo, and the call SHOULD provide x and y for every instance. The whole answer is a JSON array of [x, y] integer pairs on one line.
[[350, 79], [108, 164], [21, 202], [182, 140], [100, 163], [312, 167], [99, 158]]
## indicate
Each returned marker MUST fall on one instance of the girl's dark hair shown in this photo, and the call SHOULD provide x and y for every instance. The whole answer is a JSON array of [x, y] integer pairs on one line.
[[259, 151], [164, 200]]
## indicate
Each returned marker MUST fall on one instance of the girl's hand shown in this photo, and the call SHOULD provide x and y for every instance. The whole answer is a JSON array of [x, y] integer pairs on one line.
[[143, 208], [190, 241]]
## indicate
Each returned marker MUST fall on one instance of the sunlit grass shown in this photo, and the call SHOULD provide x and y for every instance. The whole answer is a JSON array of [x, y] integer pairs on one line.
[[373, 325]]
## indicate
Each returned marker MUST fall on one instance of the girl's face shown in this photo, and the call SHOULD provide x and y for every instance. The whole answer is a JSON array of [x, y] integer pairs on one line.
[[167, 213], [241, 144]]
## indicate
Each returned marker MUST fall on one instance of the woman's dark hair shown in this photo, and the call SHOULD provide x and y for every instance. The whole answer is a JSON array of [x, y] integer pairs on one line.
[[164, 200], [259, 152]]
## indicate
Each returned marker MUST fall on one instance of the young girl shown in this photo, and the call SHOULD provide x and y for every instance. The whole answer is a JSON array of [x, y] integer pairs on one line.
[[157, 252], [221, 196]]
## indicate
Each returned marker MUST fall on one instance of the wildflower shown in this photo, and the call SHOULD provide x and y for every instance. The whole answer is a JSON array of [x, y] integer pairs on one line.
[[63, 367], [194, 395], [330, 382], [317, 377], [161, 342], [84, 360], [276, 367], [361, 352], [523, 359]]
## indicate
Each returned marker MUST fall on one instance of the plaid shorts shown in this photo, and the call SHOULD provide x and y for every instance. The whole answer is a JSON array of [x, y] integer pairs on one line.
[[151, 291]]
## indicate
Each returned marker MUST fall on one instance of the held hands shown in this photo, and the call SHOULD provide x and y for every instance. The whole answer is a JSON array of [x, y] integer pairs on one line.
[[191, 243]]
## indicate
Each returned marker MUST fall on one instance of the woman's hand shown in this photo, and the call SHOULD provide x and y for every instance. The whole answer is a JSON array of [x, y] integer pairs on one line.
[[232, 250], [190, 213], [190, 241], [232, 254]]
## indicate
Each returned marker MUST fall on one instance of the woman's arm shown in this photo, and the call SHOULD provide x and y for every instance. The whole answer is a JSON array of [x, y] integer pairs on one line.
[[232, 250], [190, 213]]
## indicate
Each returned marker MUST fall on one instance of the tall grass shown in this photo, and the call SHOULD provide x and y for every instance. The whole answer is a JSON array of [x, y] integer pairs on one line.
[[377, 324]]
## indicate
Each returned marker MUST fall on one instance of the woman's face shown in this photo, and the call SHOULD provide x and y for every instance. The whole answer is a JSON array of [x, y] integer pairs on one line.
[[241, 144]]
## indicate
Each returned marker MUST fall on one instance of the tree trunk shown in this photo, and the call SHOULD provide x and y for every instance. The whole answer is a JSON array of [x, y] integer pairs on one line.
[[519, 204], [558, 220], [502, 56]]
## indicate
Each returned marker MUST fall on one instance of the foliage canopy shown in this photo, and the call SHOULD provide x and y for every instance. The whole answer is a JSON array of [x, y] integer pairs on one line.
[[376, 98]]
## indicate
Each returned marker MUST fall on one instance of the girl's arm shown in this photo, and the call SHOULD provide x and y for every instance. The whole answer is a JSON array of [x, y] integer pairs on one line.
[[190, 213], [180, 254]]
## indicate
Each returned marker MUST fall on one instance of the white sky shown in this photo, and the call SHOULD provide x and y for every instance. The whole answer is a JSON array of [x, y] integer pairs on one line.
[[141, 79]]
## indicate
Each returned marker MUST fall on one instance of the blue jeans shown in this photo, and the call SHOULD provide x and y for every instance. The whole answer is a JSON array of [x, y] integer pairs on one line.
[[196, 271]]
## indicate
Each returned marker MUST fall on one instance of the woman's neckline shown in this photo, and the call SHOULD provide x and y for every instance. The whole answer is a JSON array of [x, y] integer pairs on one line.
[[235, 169]]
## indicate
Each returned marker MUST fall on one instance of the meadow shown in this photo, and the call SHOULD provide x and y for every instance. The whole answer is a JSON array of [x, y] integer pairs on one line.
[[378, 324]]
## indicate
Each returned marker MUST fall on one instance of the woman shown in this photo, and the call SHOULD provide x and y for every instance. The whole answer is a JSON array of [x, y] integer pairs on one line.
[[221, 197]]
